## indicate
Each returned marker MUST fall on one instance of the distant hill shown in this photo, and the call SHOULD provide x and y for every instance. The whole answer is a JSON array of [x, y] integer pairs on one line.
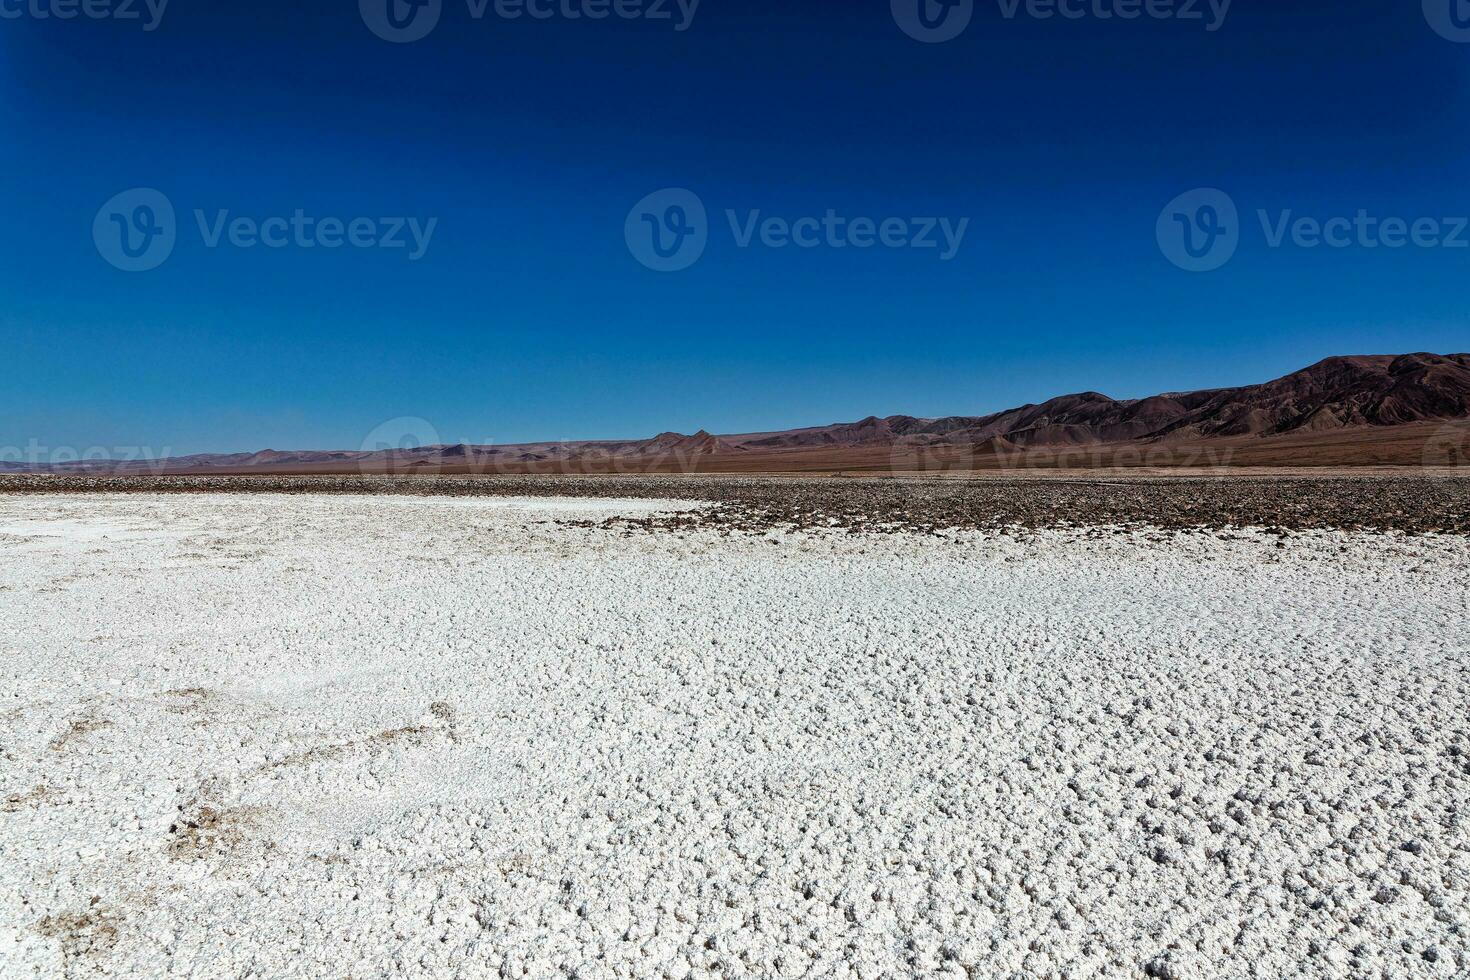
[[1349, 403], [1340, 392]]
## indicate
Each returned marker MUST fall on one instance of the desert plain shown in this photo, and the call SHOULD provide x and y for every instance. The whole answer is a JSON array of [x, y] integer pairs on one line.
[[1104, 726]]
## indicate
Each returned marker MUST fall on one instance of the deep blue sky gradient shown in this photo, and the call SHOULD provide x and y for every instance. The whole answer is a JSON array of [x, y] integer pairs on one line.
[[529, 141]]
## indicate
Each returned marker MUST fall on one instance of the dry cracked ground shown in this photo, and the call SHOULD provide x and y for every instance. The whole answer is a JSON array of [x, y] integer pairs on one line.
[[317, 733]]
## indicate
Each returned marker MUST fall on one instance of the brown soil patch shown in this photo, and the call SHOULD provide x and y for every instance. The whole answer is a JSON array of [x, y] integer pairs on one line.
[[78, 729], [209, 831], [82, 934]]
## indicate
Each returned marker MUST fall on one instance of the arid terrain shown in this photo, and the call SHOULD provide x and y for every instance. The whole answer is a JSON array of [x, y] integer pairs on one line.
[[1364, 411], [1415, 501], [722, 726]]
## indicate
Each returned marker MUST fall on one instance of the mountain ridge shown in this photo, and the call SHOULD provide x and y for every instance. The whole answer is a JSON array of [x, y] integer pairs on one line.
[[1343, 392]]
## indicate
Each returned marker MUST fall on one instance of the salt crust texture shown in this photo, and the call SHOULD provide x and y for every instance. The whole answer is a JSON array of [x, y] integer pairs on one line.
[[310, 736]]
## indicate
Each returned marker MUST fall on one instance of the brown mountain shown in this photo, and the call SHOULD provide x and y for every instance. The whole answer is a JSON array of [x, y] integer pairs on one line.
[[1340, 392], [699, 444], [1340, 411]]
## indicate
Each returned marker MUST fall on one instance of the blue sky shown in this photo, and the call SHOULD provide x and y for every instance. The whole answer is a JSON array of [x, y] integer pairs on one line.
[[528, 141]]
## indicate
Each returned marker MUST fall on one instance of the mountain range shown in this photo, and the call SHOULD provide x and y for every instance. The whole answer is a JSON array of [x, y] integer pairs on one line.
[[1351, 410]]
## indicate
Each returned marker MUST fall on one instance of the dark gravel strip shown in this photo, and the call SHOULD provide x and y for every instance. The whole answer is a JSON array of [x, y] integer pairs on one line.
[[1411, 504]]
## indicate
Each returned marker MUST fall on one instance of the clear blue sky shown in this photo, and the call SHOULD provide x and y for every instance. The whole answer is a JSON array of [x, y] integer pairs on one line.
[[529, 141]]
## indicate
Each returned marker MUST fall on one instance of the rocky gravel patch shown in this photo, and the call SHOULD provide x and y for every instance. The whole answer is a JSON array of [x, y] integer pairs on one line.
[[1415, 505]]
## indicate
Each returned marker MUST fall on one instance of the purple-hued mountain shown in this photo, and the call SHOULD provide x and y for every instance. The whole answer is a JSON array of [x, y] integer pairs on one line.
[[1339, 393]]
